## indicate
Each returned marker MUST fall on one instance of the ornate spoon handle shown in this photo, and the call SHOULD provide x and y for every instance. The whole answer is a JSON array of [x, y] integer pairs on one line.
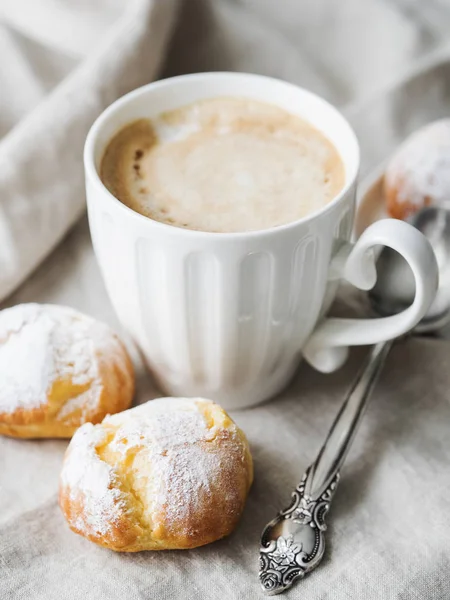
[[342, 433], [293, 543]]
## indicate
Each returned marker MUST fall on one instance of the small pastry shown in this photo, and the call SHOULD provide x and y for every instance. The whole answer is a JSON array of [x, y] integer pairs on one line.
[[173, 473], [58, 370], [418, 174]]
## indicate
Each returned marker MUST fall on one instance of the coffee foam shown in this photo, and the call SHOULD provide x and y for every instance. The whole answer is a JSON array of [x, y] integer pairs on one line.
[[223, 165]]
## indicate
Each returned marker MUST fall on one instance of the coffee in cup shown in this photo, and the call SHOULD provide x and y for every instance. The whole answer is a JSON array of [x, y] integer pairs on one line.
[[223, 164]]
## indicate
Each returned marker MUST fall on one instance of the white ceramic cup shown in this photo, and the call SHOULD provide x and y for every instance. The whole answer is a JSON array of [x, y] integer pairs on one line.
[[228, 316]]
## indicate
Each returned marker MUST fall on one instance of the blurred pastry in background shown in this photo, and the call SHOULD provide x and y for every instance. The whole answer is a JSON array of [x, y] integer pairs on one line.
[[58, 370], [418, 173]]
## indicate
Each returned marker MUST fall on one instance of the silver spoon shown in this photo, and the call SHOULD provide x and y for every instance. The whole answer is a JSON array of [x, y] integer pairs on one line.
[[293, 543]]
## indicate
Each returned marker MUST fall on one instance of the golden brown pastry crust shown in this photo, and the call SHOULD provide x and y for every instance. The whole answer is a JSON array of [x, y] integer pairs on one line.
[[397, 206], [86, 371], [173, 473]]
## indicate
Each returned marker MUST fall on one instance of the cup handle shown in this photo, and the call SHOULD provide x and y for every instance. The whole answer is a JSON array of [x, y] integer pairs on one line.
[[327, 348]]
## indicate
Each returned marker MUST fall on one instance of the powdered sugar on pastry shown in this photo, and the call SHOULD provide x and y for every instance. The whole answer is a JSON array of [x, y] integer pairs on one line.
[[173, 446], [157, 476], [86, 474], [52, 365], [26, 364], [35, 350], [419, 172]]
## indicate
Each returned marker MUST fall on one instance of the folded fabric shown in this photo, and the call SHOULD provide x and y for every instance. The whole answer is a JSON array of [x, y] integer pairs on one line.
[[62, 64]]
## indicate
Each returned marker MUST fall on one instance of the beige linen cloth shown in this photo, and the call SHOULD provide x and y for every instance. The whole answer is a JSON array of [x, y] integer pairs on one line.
[[387, 65]]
